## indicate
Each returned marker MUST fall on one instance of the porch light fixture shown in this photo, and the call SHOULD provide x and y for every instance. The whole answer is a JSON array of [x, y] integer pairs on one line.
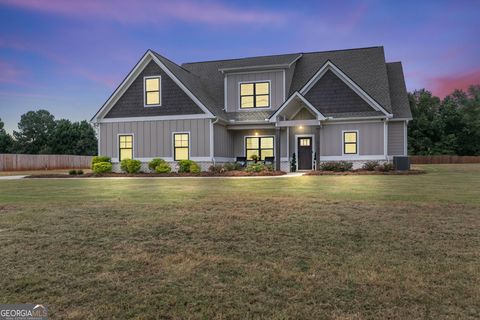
[[256, 133], [301, 127]]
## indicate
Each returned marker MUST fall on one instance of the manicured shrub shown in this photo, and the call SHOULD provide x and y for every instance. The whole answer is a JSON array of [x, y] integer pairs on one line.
[[293, 163], [163, 168], [188, 166], [337, 166], [80, 172], [254, 157], [72, 172], [231, 166], [102, 167], [387, 166], [152, 165], [255, 167], [130, 165], [98, 159], [370, 165]]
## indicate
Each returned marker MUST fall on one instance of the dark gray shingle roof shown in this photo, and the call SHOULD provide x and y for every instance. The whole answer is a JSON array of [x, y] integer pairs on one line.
[[365, 66], [398, 91]]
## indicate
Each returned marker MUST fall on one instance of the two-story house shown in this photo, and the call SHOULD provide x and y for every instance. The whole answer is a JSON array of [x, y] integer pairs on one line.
[[321, 106]]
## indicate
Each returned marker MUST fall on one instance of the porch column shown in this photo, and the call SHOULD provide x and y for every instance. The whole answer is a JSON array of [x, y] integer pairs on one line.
[[317, 147], [277, 148]]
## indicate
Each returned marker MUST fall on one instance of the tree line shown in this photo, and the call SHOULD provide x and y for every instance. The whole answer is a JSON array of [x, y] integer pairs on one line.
[[445, 126], [440, 126], [39, 133]]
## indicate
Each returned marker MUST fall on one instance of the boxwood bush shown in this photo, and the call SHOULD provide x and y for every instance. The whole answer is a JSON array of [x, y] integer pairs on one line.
[[387, 166], [130, 165], [98, 159], [163, 168], [256, 167], [188, 166], [152, 165], [102, 167], [337, 166]]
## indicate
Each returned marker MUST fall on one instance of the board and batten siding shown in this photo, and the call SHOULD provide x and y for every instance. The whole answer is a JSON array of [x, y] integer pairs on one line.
[[223, 141], [277, 88], [396, 138], [155, 138], [370, 138]]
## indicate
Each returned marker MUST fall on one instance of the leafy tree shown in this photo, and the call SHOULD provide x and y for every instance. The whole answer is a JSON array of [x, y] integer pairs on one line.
[[34, 132], [73, 138], [6, 141], [451, 126]]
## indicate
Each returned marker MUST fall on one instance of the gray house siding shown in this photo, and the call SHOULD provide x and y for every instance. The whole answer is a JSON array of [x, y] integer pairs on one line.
[[370, 138], [277, 88], [154, 138], [174, 101], [396, 137], [223, 142]]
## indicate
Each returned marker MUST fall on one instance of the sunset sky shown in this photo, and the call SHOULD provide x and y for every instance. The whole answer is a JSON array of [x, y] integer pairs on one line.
[[69, 56]]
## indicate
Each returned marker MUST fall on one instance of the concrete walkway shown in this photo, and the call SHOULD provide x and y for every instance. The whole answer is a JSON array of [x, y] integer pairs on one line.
[[11, 177]]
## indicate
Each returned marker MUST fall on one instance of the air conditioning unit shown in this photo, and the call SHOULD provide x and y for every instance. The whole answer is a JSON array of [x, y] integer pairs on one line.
[[401, 163]]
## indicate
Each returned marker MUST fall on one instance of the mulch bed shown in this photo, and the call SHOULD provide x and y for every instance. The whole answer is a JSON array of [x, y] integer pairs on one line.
[[364, 172], [172, 174]]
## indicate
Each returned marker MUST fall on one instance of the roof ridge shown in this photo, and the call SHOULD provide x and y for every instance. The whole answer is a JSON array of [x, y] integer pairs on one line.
[[178, 65], [280, 54]]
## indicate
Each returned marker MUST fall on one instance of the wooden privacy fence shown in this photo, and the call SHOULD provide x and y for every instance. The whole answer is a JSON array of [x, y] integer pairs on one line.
[[443, 159], [19, 162]]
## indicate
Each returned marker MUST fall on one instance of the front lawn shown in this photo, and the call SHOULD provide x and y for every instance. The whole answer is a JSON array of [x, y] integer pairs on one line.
[[313, 247]]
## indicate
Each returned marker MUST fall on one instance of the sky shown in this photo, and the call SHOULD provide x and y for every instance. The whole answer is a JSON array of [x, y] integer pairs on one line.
[[69, 56]]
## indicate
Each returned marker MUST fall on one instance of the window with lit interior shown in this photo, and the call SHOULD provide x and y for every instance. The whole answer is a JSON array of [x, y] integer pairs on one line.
[[350, 141], [260, 146], [125, 143], [181, 146], [152, 91], [254, 95]]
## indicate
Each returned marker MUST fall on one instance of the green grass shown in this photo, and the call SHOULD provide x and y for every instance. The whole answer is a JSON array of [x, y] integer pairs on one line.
[[317, 247]]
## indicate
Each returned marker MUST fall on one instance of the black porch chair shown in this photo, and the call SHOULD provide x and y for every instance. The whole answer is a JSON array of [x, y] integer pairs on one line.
[[269, 161], [241, 161]]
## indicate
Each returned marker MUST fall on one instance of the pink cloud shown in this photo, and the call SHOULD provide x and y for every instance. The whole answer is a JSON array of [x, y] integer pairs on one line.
[[444, 85], [11, 73], [151, 11]]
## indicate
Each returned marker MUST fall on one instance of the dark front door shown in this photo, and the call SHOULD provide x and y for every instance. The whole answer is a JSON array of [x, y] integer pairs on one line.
[[304, 145]]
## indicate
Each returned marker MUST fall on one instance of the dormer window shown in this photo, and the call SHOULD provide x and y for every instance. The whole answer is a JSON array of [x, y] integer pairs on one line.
[[255, 95], [152, 91]]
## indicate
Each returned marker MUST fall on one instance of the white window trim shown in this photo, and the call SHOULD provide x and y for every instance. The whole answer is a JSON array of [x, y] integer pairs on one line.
[[239, 108], [343, 144], [313, 147], [159, 77], [118, 144], [257, 136], [189, 144]]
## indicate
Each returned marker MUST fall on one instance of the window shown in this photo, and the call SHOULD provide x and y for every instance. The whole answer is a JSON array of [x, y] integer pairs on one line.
[[125, 144], [260, 146], [152, 91], [180, 146], [350, 142], [254, 95], [305, 142]]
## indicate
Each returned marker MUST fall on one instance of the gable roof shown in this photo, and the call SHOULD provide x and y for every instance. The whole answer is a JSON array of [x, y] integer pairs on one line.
[[366, 67], [398, 91]]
